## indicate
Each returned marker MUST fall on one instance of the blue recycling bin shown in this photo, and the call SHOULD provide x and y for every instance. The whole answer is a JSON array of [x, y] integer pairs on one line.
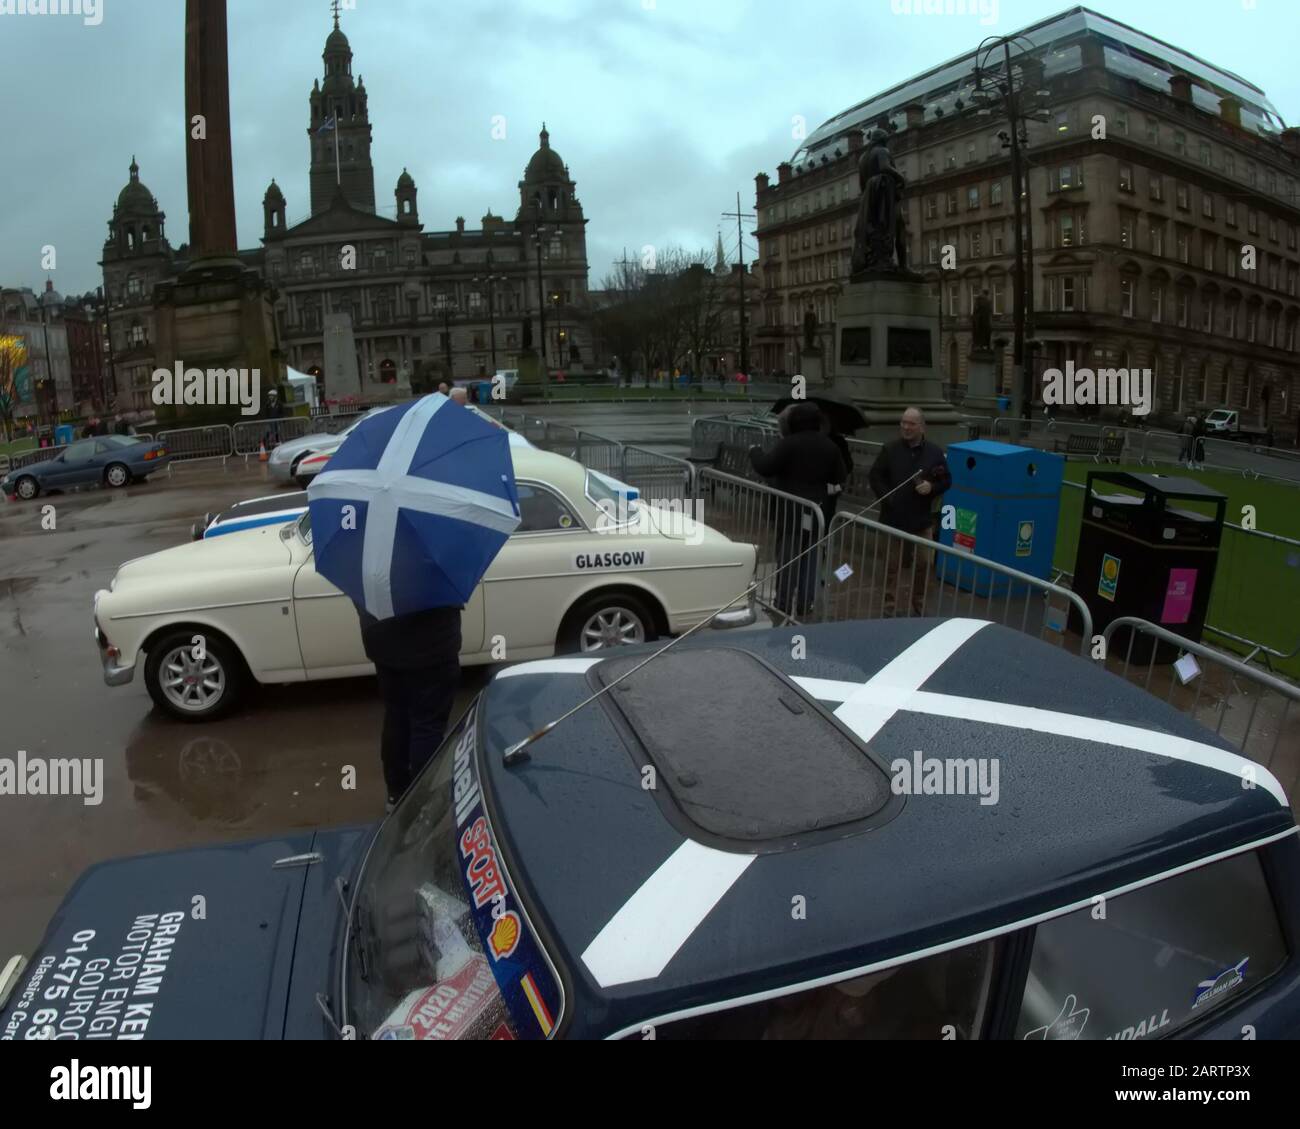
[[1006, 502], [64, 434]]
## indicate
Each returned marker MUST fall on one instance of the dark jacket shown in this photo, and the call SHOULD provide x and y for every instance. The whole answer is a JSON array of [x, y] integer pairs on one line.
[[907, 510], [803, 464], [408, 642]]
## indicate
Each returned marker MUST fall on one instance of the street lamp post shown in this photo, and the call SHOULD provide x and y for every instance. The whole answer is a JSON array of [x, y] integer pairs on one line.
[[540, 234], [448, 308], [491, 279]]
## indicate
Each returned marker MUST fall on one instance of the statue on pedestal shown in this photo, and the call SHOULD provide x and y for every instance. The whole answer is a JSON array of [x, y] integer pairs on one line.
[[876, 236]]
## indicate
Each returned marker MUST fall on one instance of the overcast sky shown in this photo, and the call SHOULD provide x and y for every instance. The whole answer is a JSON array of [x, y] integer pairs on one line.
[[663, 109]]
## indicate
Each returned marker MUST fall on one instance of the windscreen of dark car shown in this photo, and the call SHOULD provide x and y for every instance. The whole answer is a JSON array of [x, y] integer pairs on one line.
[[441, 945], [1152, 961]]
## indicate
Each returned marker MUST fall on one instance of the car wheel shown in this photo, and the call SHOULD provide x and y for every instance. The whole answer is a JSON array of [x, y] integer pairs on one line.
[[116, 475], [192, 688], [604, 621], [27, 488]]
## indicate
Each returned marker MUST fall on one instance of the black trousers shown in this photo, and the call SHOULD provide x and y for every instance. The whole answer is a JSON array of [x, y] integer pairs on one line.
[[417, 704]]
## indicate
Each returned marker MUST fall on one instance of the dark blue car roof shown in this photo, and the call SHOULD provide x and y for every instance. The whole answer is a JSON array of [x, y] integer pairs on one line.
[[650, 911]]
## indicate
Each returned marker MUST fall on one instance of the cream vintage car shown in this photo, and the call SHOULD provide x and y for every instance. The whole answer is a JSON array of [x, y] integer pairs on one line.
[[581, 573]]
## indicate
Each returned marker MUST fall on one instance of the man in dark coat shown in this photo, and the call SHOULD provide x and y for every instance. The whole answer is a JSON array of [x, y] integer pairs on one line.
[[910, 508], [806, 463], [417, 659]]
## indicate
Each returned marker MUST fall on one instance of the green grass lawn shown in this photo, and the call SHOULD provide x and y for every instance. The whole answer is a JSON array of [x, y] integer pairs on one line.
[[16, 446], [558, 393], [1257, 583]]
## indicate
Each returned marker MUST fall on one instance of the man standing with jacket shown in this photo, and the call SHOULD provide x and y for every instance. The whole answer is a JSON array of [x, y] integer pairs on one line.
[[808, 464], [910, 508], [417, 659]]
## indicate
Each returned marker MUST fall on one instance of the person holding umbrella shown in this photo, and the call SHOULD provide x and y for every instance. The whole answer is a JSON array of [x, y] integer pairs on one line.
[[406, 519]]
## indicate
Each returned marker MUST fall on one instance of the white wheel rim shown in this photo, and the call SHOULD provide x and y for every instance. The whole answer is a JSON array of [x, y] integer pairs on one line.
[[611, 627], [116, 476], [27, 488], [191, 684]]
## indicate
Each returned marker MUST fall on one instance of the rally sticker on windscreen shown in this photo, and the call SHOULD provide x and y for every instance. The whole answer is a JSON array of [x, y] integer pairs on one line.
[[523, 974]]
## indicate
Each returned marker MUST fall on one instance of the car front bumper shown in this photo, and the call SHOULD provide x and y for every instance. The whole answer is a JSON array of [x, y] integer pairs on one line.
[[115, 673], [279, 472]]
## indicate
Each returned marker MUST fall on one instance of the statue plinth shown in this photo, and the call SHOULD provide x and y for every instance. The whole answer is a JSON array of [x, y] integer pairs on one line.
[[888, 327], [982, 383], [813, 368]]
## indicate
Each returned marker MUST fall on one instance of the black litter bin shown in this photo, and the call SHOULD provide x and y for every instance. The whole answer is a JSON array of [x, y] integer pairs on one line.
[[1141, 556]]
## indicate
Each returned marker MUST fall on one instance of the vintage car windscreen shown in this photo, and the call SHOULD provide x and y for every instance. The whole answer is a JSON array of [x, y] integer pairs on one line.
[[762, 761], [1152, 961], [441, 944]]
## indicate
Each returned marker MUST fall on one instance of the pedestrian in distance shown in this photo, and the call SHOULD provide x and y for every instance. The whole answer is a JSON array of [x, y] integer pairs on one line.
[[417, 662], [910, 474], [806, 463]]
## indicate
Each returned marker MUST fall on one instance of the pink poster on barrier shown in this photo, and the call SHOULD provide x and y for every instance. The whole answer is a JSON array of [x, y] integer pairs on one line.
[[1178, 596]]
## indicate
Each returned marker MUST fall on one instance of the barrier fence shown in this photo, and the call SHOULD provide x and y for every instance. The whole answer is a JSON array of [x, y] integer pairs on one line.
[[1255, 712], [657, 477], [598, 453], [197, 444]]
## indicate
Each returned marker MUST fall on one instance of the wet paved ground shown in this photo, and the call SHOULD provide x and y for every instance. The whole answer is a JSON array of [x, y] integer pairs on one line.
[[273, 766]]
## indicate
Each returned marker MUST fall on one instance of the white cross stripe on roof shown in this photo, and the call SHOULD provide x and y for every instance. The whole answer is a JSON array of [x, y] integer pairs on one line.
[[390, 488], [1082, 728], [645, 934]]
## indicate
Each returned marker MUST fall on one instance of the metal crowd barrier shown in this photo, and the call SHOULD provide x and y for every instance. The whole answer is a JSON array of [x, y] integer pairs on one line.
[[892, 572], [198, 444], [560, 438], [1256, 712], [37, 455], [780, 525], [249, 435], [657, 476], [598, 453]]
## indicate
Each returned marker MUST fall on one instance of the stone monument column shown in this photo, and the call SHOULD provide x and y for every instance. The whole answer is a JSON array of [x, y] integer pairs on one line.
[[209, 173]]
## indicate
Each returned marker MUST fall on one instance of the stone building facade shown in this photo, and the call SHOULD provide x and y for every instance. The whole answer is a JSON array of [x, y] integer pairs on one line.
[[411, 295], [1162, 211]]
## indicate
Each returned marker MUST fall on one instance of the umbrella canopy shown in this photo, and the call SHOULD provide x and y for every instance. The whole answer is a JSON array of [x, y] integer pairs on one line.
[[413, 507], [845, 418]]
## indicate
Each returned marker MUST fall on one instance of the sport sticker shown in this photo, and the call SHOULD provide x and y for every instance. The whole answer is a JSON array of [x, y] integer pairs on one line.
[[1109, 577], [1207, 991], [1068, 1024], [1025, 539]]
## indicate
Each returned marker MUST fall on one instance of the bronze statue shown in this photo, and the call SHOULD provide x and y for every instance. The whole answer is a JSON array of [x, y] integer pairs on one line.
[[982, 323], [809, 329], [876, 234]]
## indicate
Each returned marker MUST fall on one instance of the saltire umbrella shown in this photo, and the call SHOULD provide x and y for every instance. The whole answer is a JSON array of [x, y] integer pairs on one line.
[[413, 507]]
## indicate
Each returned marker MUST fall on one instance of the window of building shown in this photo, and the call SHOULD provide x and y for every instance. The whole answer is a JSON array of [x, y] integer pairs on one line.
[[998, 296], [1229, 164], [995, 197], [1157, 187], [133, 287], [1067, 293], [1207, 314], [1205, 154], [972, 198], [1158, 240], [1252, 324], [970, 153], [1157, 302], [976, 244], [1063, 121], [1208, 243], [1230, 260], [1126, 178], [1183, 198], [1207, 205], [995, 240], [1126, 289], [929, 165], [1153, 131], [137, 333], [1272, 230], [1184, 307], [1252, 175], [1121, 121], [1230, 213], [1065, 227], [1126, 231], [1180, 143], [1273, 275], [931, 207], [1252, 221], [1183, 246], [950, 203], [995, 146], [950, 159], [932, 251], [954, 298], [1290, 237], [1230, 321]]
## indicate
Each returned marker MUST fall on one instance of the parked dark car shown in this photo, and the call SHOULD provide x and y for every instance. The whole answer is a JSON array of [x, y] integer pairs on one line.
[[905, 829], [112, 460]]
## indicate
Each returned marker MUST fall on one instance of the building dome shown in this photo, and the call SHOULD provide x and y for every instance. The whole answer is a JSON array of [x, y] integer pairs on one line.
[[273, 193], [135, 197], [546, 164], [405, 180]]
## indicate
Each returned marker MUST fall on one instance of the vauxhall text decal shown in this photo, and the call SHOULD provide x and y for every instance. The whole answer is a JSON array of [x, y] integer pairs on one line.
[[73, 995]]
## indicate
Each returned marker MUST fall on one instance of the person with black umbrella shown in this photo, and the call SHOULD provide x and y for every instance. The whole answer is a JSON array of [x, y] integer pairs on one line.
[[911, 510], [805, 462]]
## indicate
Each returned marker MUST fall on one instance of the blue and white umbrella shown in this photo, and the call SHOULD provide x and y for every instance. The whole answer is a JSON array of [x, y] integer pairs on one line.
[[413, 507]]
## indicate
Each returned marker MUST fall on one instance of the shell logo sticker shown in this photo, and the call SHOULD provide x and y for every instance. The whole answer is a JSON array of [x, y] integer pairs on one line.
[[504, 938]]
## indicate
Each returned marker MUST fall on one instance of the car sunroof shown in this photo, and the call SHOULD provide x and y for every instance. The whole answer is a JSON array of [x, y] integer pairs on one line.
[[742, 751]]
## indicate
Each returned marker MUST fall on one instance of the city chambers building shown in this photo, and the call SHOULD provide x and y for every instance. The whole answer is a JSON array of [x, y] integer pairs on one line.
[[1161, 204], [469, 301]]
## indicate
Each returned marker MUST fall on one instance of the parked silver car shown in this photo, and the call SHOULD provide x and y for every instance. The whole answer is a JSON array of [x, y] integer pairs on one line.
[[283, 465]]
